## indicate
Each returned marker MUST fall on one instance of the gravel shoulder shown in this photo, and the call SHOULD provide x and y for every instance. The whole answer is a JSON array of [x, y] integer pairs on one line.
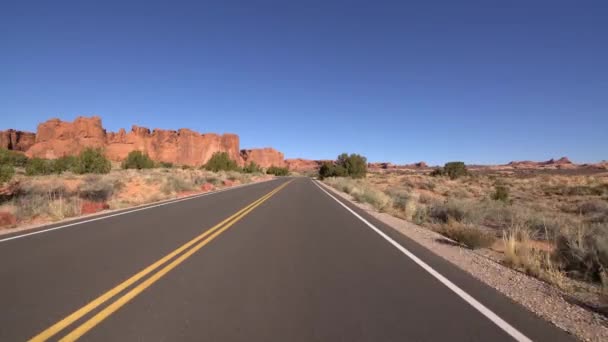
[[545, 300]]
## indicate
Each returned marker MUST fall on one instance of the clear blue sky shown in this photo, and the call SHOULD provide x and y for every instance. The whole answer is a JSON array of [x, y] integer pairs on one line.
[[479, 81]]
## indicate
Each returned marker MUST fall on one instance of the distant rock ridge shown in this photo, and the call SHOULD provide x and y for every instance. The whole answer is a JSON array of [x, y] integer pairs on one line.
[[561, 163], [56, 138]]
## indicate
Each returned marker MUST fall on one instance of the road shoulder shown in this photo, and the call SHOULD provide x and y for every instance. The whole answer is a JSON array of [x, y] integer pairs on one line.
[[538, 297]]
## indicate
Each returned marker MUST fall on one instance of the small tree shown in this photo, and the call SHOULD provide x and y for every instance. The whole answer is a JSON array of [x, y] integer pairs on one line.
[[353, 165], [252, 168], [92, 160], [137, 160], [455, 169], [277, 171], [328, 169], [220, 161], [6, 173]]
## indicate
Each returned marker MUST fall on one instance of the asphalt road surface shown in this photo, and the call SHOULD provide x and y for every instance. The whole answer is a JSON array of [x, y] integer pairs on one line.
[[274, 261]]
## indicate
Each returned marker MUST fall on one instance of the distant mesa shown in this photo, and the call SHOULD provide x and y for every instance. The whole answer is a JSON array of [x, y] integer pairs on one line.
[[561, 163], [55, 138]]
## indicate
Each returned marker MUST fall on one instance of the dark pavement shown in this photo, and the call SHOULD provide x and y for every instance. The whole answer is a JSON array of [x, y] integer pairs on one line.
[[297, 267]]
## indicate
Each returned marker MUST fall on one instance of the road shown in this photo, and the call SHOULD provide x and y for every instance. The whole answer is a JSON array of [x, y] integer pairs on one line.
[[291, 263]]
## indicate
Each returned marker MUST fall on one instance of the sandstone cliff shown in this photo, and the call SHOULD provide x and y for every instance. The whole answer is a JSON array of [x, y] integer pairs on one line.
[[265, 157], [16, 140], [55, 138]]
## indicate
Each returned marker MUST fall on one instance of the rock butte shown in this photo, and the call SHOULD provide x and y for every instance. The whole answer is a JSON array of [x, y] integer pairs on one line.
[[55, 138]]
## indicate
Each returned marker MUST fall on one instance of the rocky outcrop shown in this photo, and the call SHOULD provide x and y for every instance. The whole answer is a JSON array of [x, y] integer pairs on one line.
[[264, 157], [303, 165], [55, 138], [561, 163], [184, 146], [17, 140]]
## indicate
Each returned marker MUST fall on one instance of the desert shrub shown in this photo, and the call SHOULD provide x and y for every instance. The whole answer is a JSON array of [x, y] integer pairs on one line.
[[354, 164], [455, 169], [329, 169], [469, 236], [421, 215], [95, 188], [346, 185], [252, 168], [437, 172], [39, 166], [13, 158], [7, 172], [92, 160], [501, 193], [220, 161], [174, 184], [376, 198], [450, 209], [137, 160], [521, 254], [576, 190], [277, 171], [63, 164], [165, 165], [583, 251]]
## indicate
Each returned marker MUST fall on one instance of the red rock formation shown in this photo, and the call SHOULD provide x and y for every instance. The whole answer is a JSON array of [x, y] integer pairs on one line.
[[180, 147], [56, 138], [561, 163], [303, 165], [17, 140], [264, 157]]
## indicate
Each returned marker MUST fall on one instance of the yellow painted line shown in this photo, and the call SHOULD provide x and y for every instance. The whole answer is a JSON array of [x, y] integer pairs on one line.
[[57, 327], [110, 309]]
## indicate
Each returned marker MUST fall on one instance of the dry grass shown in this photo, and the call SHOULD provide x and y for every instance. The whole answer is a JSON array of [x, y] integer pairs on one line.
[[554, 227], [41, 199]]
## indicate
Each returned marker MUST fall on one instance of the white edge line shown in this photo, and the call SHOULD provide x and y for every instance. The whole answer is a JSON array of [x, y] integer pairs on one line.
[[509, 329], [127, 211]]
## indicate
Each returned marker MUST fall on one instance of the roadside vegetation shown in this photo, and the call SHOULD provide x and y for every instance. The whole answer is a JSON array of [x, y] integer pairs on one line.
[[40, 190], [553, 227], [354, 166]]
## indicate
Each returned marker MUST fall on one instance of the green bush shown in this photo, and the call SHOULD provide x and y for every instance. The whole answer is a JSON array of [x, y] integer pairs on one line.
[[6, 173], [64, 164], [165, 165], [252, 168], [220, 161], [12, 158], [39, 166], [353, 165], [137, 160], [92, 160], [501, 193], [455, 169], [277, 171]]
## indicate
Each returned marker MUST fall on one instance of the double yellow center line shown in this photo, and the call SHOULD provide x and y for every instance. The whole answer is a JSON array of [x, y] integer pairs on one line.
[[198, 242]]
